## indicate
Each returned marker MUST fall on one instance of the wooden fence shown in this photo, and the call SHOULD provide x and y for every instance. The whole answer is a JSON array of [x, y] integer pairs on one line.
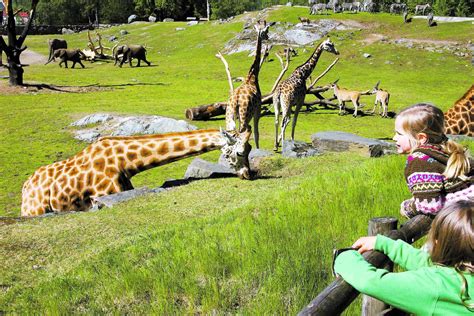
[[338, 295]]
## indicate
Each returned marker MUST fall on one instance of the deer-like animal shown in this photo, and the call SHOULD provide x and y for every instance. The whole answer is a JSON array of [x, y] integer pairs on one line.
[[422, 8], [343, 96], [382, 97], [304, 20]]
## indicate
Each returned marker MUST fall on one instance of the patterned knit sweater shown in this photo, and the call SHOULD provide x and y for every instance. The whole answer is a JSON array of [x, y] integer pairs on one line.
[[430, 189]]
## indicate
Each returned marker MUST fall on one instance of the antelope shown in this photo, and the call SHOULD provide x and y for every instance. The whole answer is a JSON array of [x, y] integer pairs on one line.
[[422, 8], [382, 97], [304, 20], [344, 96]]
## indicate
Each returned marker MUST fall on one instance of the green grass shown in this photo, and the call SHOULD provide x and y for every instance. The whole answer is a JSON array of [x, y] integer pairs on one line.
[[214, 246]]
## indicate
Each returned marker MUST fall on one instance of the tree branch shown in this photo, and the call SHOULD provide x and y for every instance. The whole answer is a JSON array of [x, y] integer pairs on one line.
[[226, 65], [322, 75], [23, 35], [284, 69]]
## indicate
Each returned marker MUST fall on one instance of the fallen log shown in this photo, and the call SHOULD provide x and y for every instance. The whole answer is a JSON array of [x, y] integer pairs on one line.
[[205, 112]]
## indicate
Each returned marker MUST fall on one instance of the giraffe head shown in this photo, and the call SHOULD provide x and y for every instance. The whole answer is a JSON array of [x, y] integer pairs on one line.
[[235, 151], [328, 46], [262, 29]]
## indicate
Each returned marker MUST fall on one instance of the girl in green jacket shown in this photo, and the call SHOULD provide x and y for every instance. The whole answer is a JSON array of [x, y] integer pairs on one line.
[[440, 282]]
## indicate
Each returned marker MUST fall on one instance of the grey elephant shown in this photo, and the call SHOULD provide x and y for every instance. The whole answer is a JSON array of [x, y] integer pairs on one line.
[[117, 51], [74, 55], [132, 51], [54, 44]]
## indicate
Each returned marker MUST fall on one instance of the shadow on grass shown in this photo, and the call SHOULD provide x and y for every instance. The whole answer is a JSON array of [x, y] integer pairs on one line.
[[87, 88]]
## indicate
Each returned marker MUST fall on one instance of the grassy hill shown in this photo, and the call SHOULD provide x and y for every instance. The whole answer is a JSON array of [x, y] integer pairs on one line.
[[214, 246]]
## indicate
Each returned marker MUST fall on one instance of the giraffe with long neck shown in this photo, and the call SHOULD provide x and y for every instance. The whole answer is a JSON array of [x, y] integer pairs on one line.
[[245, 102], [292, 91], [106, 166], [459, 119]]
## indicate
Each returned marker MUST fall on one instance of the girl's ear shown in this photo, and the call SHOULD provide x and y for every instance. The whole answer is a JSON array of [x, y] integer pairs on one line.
[[422, 138]]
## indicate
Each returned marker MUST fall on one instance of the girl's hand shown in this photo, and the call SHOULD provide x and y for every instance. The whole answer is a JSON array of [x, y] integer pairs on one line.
[[364, 244]]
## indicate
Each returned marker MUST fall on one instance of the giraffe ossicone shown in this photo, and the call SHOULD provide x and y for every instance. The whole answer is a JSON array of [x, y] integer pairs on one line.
[[106, 167]]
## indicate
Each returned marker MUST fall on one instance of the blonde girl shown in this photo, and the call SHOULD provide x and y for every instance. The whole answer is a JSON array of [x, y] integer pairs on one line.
[[437, 283], [438, 170]]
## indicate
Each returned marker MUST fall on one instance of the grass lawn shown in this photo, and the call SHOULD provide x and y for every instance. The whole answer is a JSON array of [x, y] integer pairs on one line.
[[221, 245]]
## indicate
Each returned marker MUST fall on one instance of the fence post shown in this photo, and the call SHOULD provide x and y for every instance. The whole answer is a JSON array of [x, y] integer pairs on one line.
[[378, 225]]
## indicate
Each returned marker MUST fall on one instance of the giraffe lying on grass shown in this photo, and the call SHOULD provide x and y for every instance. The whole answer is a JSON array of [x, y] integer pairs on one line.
[[106, 166]]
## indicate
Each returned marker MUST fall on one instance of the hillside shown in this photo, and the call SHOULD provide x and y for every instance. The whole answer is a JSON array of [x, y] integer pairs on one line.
[[221, 245]]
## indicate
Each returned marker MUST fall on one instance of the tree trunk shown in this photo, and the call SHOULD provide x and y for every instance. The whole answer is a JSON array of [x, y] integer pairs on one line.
[[15, 70]]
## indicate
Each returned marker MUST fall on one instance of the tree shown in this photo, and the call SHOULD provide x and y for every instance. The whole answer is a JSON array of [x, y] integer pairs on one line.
[[15, 45]]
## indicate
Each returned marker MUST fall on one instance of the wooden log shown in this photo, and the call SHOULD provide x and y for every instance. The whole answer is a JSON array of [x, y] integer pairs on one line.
[[205, 112], [378, 225], [335, 298]]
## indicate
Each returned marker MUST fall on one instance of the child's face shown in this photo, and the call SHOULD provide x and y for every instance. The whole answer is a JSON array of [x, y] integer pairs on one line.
[[401, 138]]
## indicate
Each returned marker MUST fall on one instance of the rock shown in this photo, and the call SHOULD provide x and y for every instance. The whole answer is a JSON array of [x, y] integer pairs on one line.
[[123, 32], [191, 23], [388, 62], [66, 31], [112, 38], [132, 18], [152, 18], [93, 119], [289, 4], [460, 138], [366, 55], [341, 141], [180, 29], [296, 149], [168, 20], [87, 136], [154, 125], [301, 37], [112, 199], [202, 169]]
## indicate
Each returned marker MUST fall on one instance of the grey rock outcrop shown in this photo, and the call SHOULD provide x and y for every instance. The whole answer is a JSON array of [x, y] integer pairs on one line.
[[296, 149], [132, 18], [93, 119], [168, 20], [202, 169], [112, 199], [340, 141]]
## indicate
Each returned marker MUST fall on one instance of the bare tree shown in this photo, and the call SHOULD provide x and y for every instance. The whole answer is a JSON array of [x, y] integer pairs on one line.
[[15, 45]]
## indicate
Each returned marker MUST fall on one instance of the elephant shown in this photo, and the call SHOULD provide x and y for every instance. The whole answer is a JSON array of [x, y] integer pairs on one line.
[[117, 51], [74, 55], [129, 52], [54, 44]]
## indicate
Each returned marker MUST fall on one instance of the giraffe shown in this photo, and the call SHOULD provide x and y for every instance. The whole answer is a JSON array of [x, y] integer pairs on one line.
[[106, 166], [459, 119], [246, 100], [292, 91]]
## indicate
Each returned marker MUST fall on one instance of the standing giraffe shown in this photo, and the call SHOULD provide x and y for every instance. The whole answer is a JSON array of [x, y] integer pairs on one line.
[[459, 119], [246, 100], [106, 166], [292, 91]]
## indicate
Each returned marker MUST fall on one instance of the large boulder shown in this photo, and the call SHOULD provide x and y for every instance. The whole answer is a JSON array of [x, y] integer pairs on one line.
[[341, 141], [296, 149], [93, 119], [112, 199], [132, 18], [202, 169]]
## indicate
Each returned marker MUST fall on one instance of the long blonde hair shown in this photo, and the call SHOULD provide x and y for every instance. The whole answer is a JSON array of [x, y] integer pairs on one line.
[[428, 119], [451, 240]]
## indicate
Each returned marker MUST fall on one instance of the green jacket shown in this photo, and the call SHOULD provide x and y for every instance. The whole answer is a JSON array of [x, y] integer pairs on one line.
[[424, 289]]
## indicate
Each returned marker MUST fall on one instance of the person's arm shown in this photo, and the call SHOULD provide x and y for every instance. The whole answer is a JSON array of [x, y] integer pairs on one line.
[[401, 253], [412, 291]]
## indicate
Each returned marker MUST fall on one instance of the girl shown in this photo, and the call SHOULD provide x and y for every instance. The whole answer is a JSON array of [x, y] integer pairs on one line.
[[439, 283], [437, 169]]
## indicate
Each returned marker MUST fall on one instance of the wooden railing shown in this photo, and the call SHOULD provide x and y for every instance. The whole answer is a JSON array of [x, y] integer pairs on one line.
[[338, 295]]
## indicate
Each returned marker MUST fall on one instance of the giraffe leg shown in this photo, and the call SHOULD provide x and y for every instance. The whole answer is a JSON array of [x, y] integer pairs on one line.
[[276, 106], [284, 122], [295, 118], [256, 118]]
